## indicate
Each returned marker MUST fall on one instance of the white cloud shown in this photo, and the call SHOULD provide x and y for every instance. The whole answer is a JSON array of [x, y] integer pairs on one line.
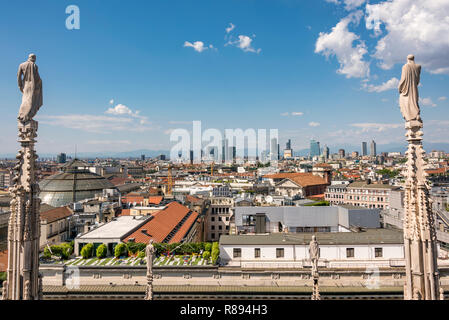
[[244, 43], [340, 42], [442, 98], [295, 114], [198, 46], [388, 85], [230, 28], [111, 102], [119, 109], [427, 102], [314, 124], [410, 26], [349, 4], [352, 4], [379, 127]]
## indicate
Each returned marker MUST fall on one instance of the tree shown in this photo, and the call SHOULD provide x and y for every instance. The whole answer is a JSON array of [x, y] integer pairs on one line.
[[87, 251], [141, 254], [206, 255], [102, 251], [120, 250], [215, 252], [208, 246]]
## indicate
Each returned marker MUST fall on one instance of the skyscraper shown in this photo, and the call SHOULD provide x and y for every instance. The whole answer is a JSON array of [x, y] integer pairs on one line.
[[274, 149], [364, 149], [325, 152], [225, 150], [373, 149], [289, 144], [341, 153], [61, 158], [314, 148]]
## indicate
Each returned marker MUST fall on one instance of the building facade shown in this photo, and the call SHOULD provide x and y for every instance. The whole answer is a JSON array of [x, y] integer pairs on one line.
[[218, 217]]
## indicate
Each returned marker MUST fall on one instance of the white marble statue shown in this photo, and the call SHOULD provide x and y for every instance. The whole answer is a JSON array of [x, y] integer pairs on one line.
[[149, 253], [408, 90], [30, 84], [314, 253]]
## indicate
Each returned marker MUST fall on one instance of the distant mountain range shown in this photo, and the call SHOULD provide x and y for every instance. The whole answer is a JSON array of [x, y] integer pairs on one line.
[[302, 152]]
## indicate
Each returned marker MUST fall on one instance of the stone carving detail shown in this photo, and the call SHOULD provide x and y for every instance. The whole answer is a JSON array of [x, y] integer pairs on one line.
[[5, 290], [246, 276], [127, 276], [97, 276], [187, 276], [335, 276], [397, 276], [157, 276], [422, 277], [149, 254], [24, 221], [275, 276], [217, 276], [305, 276], [314, 254]]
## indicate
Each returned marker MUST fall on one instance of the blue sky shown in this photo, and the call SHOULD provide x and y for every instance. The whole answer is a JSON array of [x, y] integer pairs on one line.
[[312, 69]]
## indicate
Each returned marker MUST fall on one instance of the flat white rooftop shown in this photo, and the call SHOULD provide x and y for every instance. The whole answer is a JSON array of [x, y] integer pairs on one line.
[[117, 228]]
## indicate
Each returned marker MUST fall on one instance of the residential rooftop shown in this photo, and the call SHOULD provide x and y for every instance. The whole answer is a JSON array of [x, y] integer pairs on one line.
[[117, 228], [367, 236]]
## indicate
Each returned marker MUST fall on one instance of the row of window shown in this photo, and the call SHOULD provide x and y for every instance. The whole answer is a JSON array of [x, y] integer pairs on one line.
[[237, 252], [365, 198], [212, 219], [220, 227], [219, 210]]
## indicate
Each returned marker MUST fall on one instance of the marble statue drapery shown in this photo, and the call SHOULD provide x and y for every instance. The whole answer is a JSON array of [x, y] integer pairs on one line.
[[30, 84]]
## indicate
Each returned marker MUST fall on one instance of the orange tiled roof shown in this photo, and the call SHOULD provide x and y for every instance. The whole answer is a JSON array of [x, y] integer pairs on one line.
[[437, 171], [308, 180], [125, 212], [132, 198], [283, 175], [155, 199], [192, 199], [55, 214], [184, 228], [303, 179], [162, 223]]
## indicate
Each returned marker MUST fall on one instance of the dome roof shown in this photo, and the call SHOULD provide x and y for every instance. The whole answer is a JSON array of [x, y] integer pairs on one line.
[[74, 183]]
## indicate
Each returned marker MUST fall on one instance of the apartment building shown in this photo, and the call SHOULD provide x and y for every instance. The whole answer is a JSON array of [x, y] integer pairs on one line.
[[361, 194]]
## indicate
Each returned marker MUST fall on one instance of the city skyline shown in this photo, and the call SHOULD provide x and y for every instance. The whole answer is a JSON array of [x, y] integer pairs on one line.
[[236, 73]]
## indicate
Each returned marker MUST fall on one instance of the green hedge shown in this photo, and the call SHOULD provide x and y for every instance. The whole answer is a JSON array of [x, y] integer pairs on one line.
[[102, 251], [120, 250], [135, 247], [87, 251]]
